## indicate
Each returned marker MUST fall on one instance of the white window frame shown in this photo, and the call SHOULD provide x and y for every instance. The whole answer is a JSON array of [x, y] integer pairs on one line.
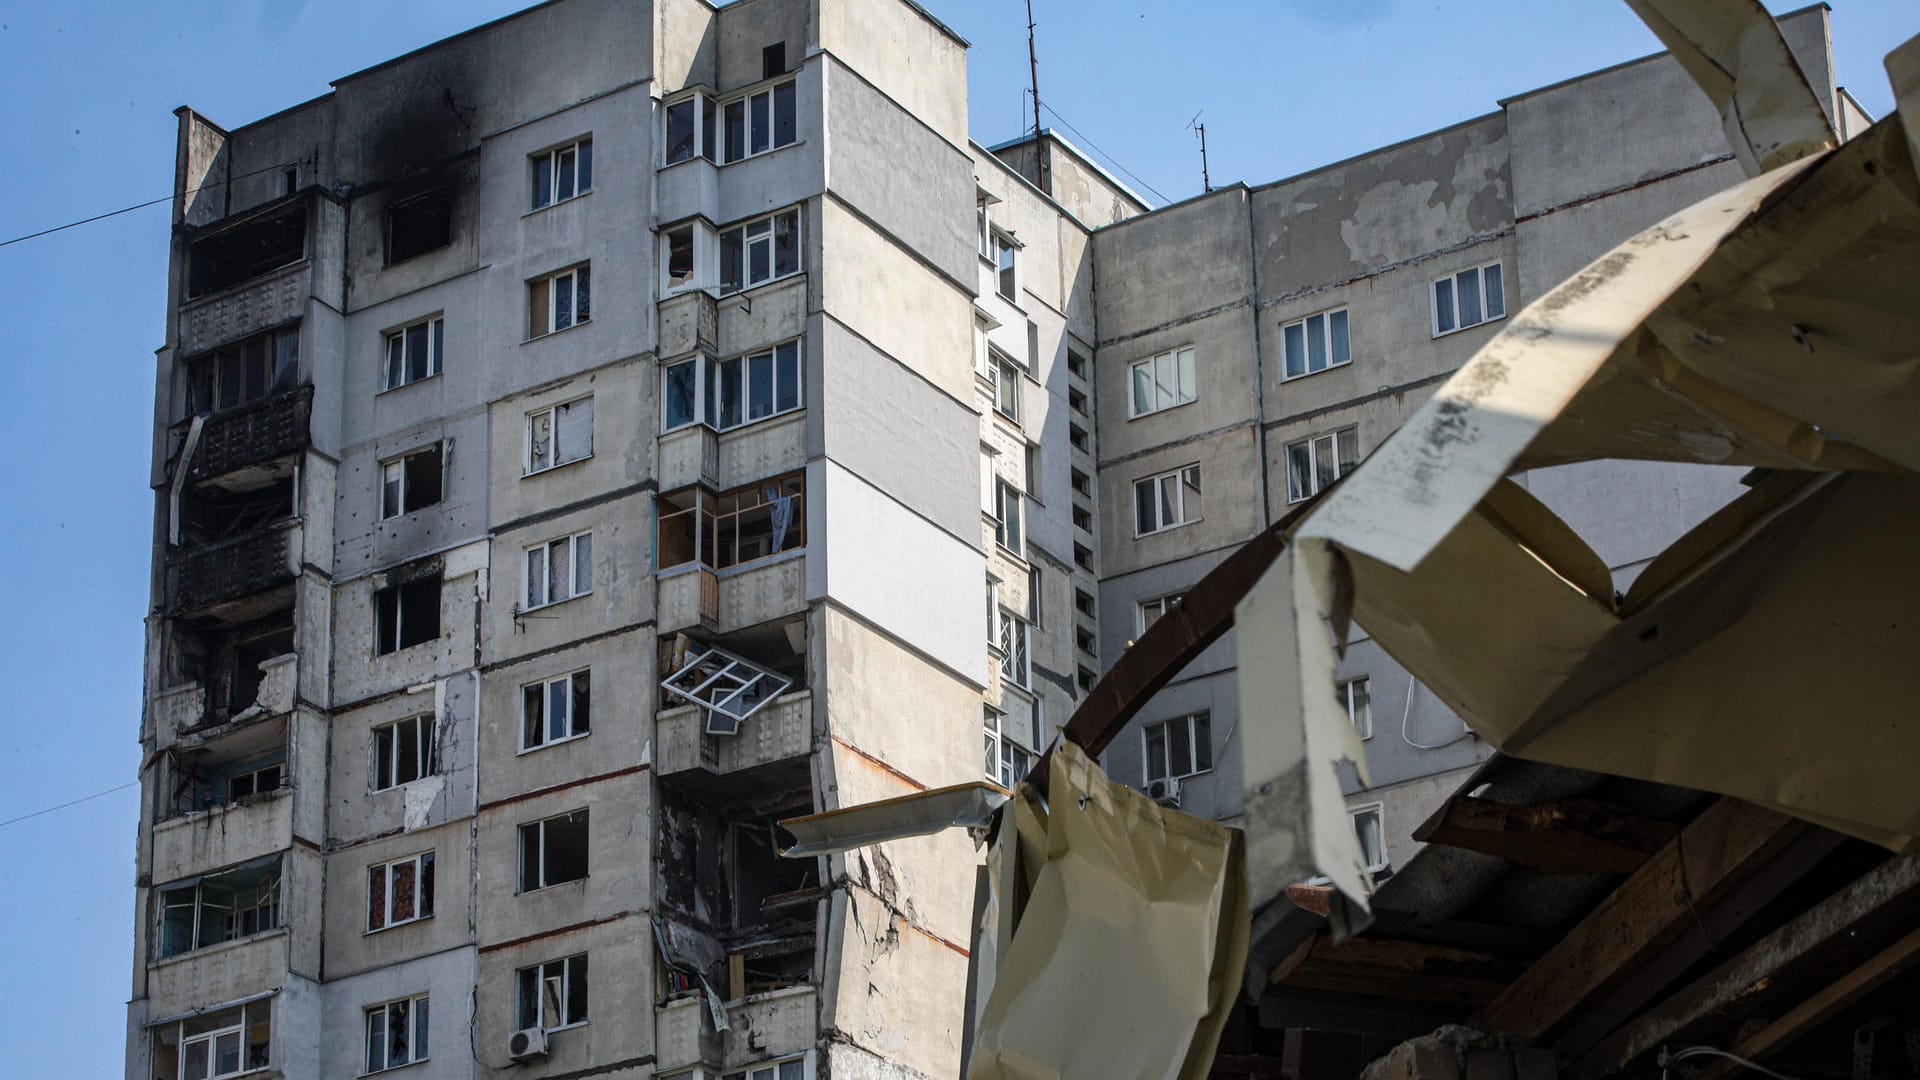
[[1158, 606], [770, 91], [704, 109], [538, 589], [538, 828], [1003, 373], [1016, 649], [1356, 696], [212, 1039], [418, 1014], [231, 916], [749, 236], [422, 862], [705, 245], [730, 688], [1195, 721], [426, 734], [1011, 761], [582, 151], [565, 964], [708, 379], [770, 1070], [1006, 265], [1009, 516], [393, 476], [554, 460], [1176, 480], [1318, 324], [577, 314], [1378, 810], [1453, 281], [1177, 364], [570, 724], [1316, 446], [398, 372]]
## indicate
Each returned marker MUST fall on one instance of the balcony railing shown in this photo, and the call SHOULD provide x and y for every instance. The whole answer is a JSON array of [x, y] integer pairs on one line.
[[206, 577], [257, 432]]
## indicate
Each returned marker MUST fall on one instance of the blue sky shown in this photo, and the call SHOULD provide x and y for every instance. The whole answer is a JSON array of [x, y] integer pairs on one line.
[[1283, 85]]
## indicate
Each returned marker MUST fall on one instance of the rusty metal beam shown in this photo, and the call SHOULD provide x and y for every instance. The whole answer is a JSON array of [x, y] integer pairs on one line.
[[1564, 836], [1433, 974]]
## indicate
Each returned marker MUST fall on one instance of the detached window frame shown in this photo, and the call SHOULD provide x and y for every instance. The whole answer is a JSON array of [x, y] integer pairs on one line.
[[556, 710], [1160, 382], [561, 173], [415, 352], [1356, 696], [537, 844], [412, 481], [735, 392], [729, 688], [1467, 298], [396, 1033], [559, 301], [1177, 748], [402, 751], [399, 891], [558, 570], [726, 527], [214, 1046], [556, 986], [1166, 500], [1315, 462], [558, 434], [762, 250], [1315, 343], [1370, 828]]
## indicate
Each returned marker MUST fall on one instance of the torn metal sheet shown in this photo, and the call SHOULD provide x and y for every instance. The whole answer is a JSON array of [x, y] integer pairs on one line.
[[1121, 935], [968, 806], [1732, 49]]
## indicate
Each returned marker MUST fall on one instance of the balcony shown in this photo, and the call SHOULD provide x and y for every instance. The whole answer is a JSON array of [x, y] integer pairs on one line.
[[252, 434], [773, 1024], [204, 840], [779, 732], [216, 579], [268, 300], [689, 322]]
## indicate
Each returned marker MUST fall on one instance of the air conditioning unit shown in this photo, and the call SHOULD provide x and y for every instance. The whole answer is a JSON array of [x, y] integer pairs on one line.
[[1165, 792], [527, 1043]]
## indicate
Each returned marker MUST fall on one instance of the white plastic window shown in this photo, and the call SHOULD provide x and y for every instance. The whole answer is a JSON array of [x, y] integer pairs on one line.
[[730, 688]]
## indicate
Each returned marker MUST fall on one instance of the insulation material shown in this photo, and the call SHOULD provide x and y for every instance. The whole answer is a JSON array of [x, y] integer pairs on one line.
[[1120, 951]]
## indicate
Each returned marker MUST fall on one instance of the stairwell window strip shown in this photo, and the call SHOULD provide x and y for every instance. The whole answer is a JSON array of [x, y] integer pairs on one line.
[[559, 570], [1469, 298], [415, 352], [758, 251], [1177, 748], [1315, 463], [1166, 501], [1315, 343], [1162, 382], [731, 393]]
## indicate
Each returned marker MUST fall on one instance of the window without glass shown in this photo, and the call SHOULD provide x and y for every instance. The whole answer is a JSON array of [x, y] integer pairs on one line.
[[224, 906], [403, 752], [400, 891], [553, 851], [557, 301], [1006, 273], [563, 172], [555, 710], [733, 527], [1005, 376], [1162, 382], [1179, 747], [248, 370], [1468, 298], [1007, 761], [1357, 696], [1166, 501], [559, 570], [730, 688], [254, 779], [1148, 612], [1369, 825], [678, 270], [406, 615], [551, 995], [418, 225], [213, 1046], [1316, 343], [761, 121], [1315, 463], [410, 482], [397, 1034], [243, 252], [760, 251], [414, 352], [559, 434]]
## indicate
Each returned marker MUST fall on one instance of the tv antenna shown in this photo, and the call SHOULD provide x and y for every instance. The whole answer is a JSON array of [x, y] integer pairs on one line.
[[1039, 144], [1194, 125]]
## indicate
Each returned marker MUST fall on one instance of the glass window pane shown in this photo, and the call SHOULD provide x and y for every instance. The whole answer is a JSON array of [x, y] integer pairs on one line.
[[376, 1039], [730, 254], [536, 577], [403, 891], [542, 180], [439, 346], [564, 181], [731, 392], [426, 885], [420, 1030], [1165, 381], [709, 130], [680, 131], [1468, 289], [558, 695], [759, 261], [793, 1070], [1299, 472], [528, 997], [1323, 462], [761, 121], [226, 1053], [1202, 742], [417, 352], [786, 377], [786, 243], [1296, 348], [559, 570], [1337, 330], [1443, 316], [406, 764], [396, 361], [562, 302], [1179, 748], [1144, 520], [1157, 752], [1349, 447], [584, 167], [1190, 494], [383, 757], [583, 564], [581, 713], [759, 386], [1143, 388], [1187, 384], [1496, 291], [1316, 343], [376, 897], [680, 394], [576, 989], [398, 1031], [1169, 500], [783, 114], [736, 130]]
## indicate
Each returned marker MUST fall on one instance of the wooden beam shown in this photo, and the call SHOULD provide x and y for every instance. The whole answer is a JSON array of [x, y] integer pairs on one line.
[[1393, 969], [1719, 849], [1874, 903], [1565, 836]]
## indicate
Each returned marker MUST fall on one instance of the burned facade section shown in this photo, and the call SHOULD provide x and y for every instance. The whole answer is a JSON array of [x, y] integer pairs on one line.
[[233, 254]]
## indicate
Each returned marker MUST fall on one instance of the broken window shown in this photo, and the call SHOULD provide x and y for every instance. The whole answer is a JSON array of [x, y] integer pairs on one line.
[[244, 252], [403, 752], [1369, 823], [555, 710], [766, 886], [210, 514], [216, 1045], [1162, 382], [1006, 278], [225, 906], [559, 300], [397, 1033], [679, 269], [559, 570], [410, 482], [761, 121], [1083, 602], [1314, 464], [1148, 612], [247, 370], [559, 434], [1007, 507], [760, 251], [733, 527], [1179, 747], [1468, 298], [414, 352], [1004, 374], [1166, 501], [562, 173], [728, 687], [553, 851], [725, 394], [418, 225], [204, 785], [551, 995], [1315, 343], [1357, 696], [1007, 761], [406, 615], [400, 891], [1015, 655]]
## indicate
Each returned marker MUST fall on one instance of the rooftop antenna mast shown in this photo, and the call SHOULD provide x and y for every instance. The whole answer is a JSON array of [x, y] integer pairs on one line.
[[1194, 125], [1039, 144]]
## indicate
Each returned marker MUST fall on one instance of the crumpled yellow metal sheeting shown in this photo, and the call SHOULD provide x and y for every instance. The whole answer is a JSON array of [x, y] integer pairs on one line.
[[1124, 959]]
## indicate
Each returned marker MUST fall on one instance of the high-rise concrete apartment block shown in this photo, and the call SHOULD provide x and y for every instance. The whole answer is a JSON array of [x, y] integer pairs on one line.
[[584, 441]]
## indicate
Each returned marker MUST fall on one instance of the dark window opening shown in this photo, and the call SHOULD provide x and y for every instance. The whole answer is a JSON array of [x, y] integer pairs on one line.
[[765, 885], [1083, 556], [411, 482], [406, 615], [220, 907], [243, 372], [246, 251], [228, 663], [1083, 519], [1083, 638], [1076, 364], [1077, 401], [290, 181], [553, 851], [1082, 483], [211, 514], [225, 779], [418, 225], [1083, 602], [1077, 436], [1087, 679], [773, 60]]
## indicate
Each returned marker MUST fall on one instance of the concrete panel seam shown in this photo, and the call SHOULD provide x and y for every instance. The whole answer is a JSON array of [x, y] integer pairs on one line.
[[1186, 440]]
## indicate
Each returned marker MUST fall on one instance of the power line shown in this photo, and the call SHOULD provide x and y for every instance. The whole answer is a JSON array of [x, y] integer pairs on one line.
[[73, 802], [131, 209], [1110, 158]]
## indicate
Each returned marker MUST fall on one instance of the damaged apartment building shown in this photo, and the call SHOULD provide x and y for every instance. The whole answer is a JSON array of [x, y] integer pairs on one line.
[[591, 439]]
